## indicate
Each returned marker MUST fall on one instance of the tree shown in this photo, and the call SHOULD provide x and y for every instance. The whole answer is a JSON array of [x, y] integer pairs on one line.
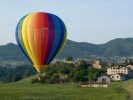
[[17, 77], [83, 65], [126, 62], [78, 76], [69, 58], [55, 76], [130, 62], [7, 79], [64, 70], [91, 76], [113, 64], [26, 74]]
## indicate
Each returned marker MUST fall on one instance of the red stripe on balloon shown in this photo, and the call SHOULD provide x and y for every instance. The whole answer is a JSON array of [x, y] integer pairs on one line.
[[44, 36]]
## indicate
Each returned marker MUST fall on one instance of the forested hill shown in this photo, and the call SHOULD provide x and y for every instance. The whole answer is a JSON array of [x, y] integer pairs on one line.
[[116, 47]]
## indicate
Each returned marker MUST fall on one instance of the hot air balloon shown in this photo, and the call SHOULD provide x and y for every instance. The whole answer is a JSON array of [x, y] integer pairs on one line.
[[41, 36]]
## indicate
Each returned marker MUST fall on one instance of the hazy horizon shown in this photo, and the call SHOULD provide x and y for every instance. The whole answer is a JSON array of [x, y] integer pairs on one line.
[[92, 21], [78, 41]]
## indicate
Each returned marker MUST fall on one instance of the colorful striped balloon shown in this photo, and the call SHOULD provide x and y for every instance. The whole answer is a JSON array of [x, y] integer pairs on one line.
[[41, 36]]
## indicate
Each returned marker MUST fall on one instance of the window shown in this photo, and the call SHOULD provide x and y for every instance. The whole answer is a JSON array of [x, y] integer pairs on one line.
[[103, 79], [117, 76], [90, 85], [112, 76]]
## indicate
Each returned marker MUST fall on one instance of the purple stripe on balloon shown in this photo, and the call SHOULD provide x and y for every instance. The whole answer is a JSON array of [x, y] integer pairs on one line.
[[51, 36]]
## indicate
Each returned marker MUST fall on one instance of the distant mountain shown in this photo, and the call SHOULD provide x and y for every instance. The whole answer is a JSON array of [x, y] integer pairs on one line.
[[11, 51], [116, 47]]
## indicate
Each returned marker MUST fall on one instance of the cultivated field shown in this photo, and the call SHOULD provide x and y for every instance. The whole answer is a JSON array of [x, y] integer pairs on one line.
[[24, 90]]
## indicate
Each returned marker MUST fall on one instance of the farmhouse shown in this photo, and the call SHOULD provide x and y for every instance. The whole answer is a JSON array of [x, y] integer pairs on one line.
[[118, 77], [130, 67], [97, 65], [69, 62], [104, 79], [119, 73], [94, 84], [117, 70]]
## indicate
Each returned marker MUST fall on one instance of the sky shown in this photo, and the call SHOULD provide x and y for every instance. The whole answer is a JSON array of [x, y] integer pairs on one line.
[[93, 21]]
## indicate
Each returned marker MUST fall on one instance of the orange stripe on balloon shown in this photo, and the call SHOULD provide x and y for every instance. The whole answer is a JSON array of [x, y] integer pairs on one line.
[[37, 36]]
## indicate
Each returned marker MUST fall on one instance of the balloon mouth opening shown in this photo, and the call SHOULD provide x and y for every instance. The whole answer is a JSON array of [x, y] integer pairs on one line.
[[40, 67]]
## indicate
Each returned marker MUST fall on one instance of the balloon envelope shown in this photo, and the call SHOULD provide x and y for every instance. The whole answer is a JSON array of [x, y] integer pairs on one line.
[[41, 36]]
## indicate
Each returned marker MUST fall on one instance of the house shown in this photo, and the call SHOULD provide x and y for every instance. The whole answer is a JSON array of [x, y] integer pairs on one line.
[[97, 65], [85, 84], [104, 79], [130, 67], [118, 77], [69, 62], [119, 73], [77, 63], [97, 85], [94, 84], [118, 70]]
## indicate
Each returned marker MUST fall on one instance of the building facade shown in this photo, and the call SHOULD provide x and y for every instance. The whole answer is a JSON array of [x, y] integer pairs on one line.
[[104, 78], [119, 73], [95, 84], [97, 65], [130, 66], [117, 70], [118, 77]]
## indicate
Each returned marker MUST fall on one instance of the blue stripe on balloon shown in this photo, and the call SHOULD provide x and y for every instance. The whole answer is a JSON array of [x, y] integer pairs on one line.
[[17, 39], [56, 39], [60, 41]]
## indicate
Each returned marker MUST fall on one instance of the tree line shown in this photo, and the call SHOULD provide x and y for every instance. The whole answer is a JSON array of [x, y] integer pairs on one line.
[[81, 72], [71, 72], [15, 73]]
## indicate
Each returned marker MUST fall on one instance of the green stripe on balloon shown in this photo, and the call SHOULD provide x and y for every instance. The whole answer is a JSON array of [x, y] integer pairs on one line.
[[20, 37]]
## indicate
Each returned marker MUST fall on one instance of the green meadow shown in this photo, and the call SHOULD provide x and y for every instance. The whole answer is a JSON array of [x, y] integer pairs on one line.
[[24, 90]]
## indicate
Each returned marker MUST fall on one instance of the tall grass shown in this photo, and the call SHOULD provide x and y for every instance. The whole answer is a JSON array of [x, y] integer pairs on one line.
[[128, 85]]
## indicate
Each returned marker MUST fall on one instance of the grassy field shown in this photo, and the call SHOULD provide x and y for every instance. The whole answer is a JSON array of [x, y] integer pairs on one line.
[[128, 85], [24, 90]]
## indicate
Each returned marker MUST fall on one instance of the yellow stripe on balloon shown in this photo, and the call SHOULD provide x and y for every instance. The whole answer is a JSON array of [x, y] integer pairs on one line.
[[63, 44], [25, 37], [30, 31]]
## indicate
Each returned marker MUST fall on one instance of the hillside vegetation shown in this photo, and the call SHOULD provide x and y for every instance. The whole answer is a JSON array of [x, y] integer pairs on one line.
[[116, 47]]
